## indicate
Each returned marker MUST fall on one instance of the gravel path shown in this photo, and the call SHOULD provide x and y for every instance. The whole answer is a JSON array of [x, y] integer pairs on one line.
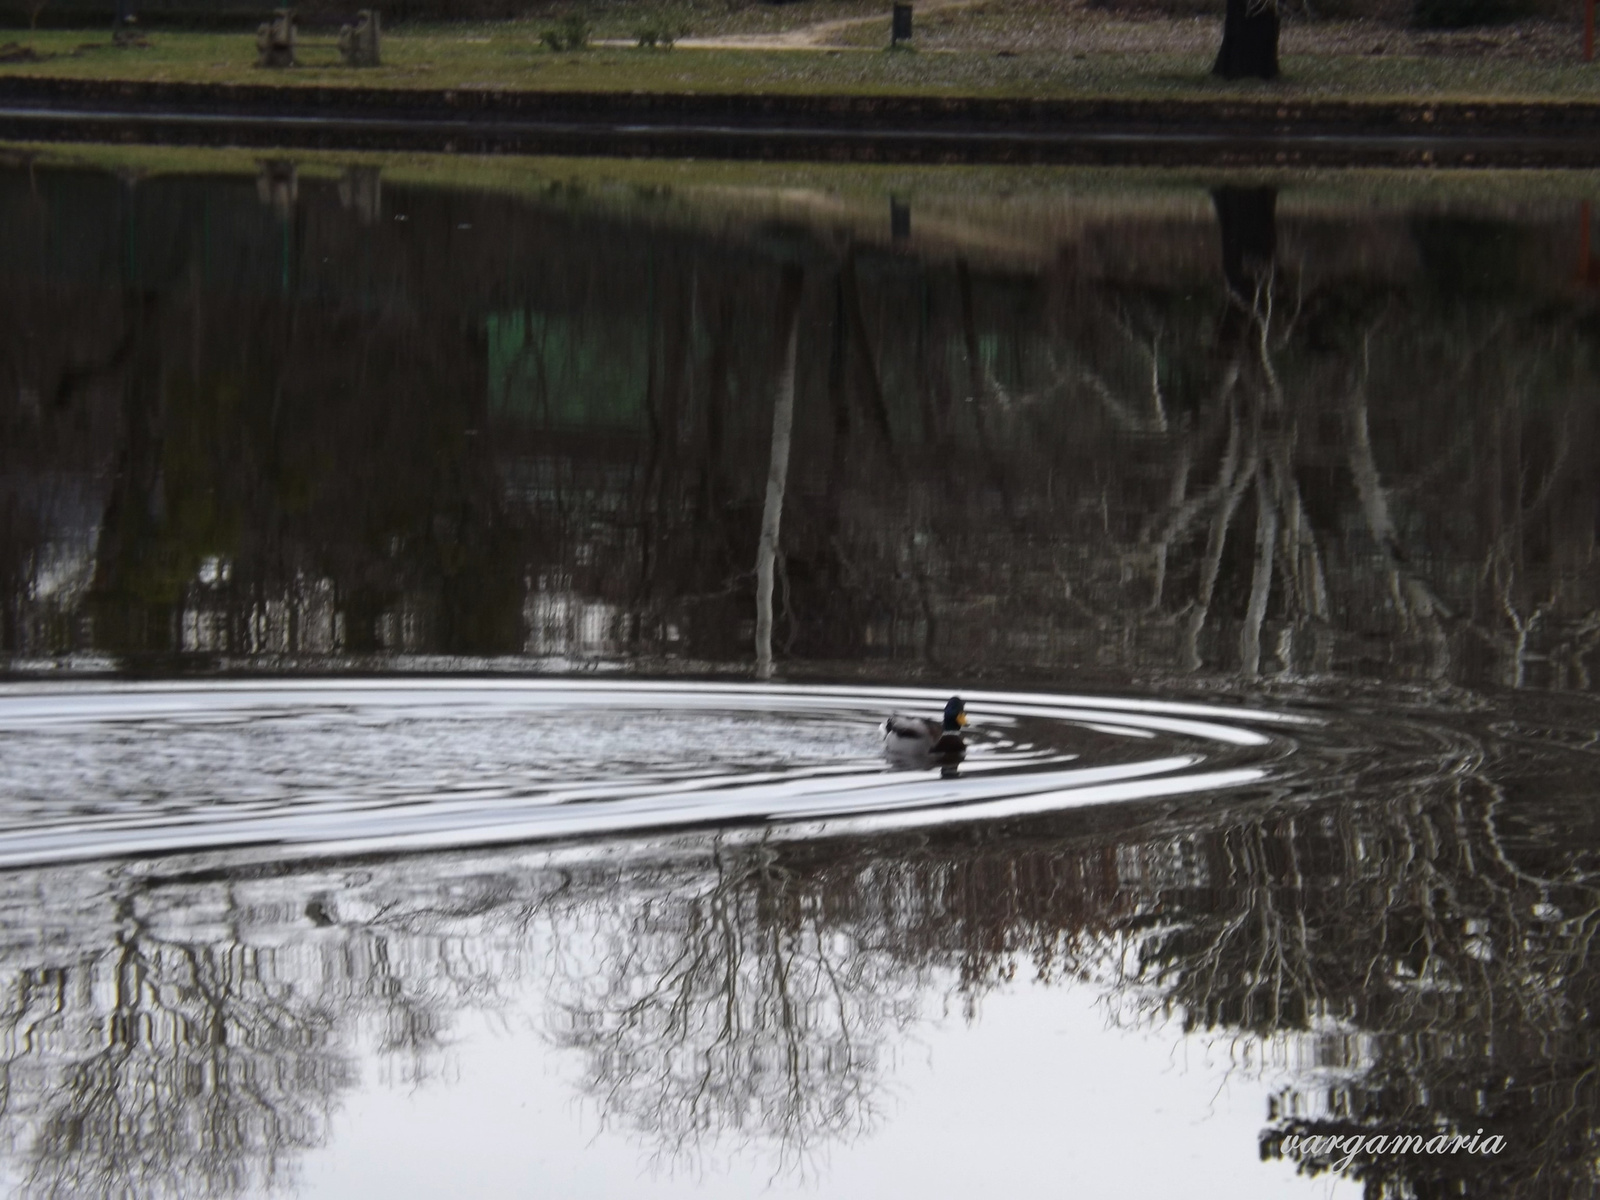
[[823, 35]]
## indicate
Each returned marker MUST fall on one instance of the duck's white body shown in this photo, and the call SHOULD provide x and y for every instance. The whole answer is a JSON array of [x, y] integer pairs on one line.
[[912, 739]]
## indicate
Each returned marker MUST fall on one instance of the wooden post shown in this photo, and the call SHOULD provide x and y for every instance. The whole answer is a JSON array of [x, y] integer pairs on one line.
[[900, 27], [1588, 30], [899, 219], [358, 43], [275, 40], [1588, 268]]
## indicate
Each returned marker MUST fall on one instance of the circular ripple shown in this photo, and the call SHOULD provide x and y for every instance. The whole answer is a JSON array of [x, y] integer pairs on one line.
[[97, 771]]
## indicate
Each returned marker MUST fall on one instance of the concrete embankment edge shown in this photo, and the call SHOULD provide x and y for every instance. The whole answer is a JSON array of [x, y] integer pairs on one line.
[[851, 128]]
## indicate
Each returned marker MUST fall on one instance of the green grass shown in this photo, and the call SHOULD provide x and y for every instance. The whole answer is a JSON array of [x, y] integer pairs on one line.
[[508, 55]]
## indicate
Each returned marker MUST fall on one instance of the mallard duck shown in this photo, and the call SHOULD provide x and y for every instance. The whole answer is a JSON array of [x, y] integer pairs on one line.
[[914, 739]]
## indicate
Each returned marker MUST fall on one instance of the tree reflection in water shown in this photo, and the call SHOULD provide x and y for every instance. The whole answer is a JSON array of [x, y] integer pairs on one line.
[[1205, 438], [161, 1066], [732, 1004], [1266, 433], [1417, 960], [181, 1038], [1397, 928]]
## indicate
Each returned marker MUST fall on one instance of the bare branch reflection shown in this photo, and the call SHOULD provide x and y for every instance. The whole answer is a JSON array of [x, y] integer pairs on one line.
[[733, 1004], [1398, 931], [170, 1045]]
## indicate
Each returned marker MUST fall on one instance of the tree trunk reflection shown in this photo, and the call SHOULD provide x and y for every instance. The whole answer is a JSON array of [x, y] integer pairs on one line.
[[788, 337]]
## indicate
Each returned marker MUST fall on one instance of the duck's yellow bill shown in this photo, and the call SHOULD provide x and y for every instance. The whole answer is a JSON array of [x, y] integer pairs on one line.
[[961, 718]]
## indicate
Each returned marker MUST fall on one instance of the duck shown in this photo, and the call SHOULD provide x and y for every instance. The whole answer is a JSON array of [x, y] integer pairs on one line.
[[918, 739]]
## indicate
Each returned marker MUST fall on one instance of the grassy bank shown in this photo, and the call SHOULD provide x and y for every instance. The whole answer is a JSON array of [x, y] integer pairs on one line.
[[509, 55]]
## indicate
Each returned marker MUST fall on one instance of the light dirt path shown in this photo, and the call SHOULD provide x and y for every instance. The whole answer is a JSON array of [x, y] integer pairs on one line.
[[812, 37]]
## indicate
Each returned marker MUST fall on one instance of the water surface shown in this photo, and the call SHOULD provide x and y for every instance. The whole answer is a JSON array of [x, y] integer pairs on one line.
[[388, 807]]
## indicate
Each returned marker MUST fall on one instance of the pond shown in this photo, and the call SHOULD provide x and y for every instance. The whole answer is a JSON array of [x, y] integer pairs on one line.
[[449, 610]]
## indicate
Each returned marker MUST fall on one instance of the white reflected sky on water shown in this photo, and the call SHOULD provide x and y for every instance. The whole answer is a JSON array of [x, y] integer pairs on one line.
[[1037, 1097], [106, 769]]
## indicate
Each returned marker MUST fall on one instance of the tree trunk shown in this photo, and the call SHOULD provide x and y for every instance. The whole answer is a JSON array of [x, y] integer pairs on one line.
[[1249, 41]]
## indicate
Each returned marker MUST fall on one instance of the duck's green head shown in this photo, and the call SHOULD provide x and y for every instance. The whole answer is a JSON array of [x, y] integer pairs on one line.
[[955, 714]]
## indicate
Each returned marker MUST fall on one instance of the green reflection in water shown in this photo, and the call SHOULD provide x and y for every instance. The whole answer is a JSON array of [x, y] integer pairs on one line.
[[550, 372]]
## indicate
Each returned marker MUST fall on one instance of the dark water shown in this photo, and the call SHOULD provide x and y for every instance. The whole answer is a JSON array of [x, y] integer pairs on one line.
[[387, 808]]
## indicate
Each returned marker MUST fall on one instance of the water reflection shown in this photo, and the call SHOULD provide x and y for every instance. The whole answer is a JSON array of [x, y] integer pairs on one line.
[[1274, 432], [337, 766], [158, 1043], [1302, 439], [1399, 926]]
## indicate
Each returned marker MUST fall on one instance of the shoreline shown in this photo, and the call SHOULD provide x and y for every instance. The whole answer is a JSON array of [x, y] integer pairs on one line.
[[842, 127]]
